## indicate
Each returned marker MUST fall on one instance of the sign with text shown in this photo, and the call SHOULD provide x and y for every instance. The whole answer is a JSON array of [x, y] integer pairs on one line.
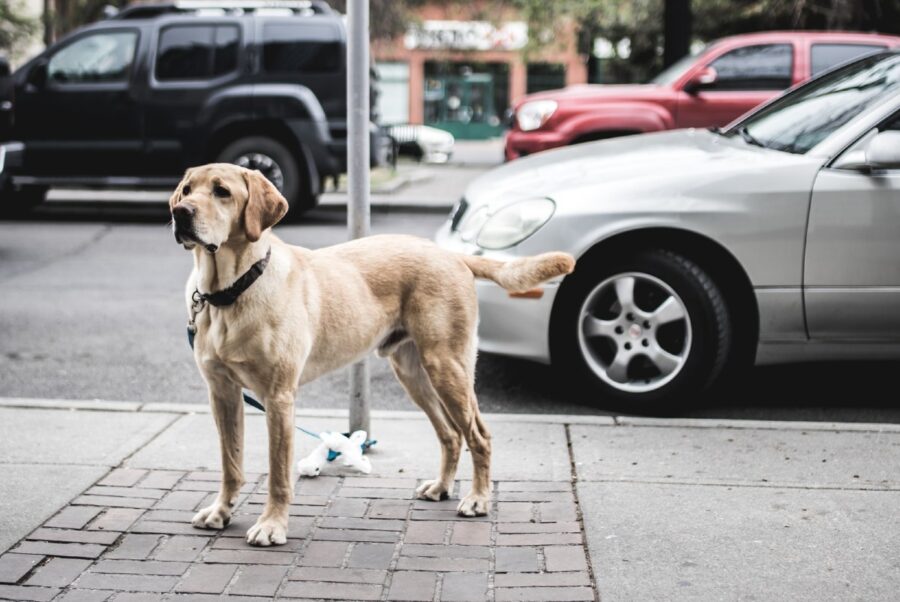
[[466, 35]]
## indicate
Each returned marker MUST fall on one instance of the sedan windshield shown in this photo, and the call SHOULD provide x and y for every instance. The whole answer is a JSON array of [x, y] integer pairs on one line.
[[801, 119]]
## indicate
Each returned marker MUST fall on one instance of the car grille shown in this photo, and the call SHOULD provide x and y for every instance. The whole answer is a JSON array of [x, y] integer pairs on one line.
[[457, 214]]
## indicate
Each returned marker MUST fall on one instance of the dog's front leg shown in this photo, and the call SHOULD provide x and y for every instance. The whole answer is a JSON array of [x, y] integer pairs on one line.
[[271, 527], [228, 411]]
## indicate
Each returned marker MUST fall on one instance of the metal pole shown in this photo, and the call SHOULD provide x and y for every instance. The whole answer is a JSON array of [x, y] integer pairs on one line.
[[358, 216]]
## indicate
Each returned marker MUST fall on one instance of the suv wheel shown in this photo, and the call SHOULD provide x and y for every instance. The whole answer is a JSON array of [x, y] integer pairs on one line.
[[649, 330], [275, 162]]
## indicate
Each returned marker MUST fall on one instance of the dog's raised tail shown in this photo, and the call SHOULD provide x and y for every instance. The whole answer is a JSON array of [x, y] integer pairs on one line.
[[521, 274]]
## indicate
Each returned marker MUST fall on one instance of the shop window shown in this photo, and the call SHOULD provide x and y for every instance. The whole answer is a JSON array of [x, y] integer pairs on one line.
[[467, 99], [545, 76]]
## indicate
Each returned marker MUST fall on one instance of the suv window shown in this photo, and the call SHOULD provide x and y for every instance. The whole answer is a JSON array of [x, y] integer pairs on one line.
[[826, 56], [763, 67], [295, 47], [102, 57], [192, 52]]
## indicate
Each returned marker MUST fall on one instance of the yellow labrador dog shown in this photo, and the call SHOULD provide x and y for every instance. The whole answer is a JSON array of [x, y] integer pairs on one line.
[[271, 317]]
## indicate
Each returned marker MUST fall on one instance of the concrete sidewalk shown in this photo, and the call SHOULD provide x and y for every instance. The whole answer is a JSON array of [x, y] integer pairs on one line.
[[97, 496]]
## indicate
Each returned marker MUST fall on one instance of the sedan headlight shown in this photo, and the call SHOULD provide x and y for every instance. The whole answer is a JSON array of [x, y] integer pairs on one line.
[[534, 114], [514, 223]]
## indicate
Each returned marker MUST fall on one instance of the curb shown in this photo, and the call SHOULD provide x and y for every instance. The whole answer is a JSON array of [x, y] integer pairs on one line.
[[569, 419]]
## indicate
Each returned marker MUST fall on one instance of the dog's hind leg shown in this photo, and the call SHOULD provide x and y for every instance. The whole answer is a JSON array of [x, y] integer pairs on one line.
[[228, 411], [452, 376], [411, 374]]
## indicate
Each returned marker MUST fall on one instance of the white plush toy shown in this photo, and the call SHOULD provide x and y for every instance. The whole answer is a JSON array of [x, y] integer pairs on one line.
[[350, 449]]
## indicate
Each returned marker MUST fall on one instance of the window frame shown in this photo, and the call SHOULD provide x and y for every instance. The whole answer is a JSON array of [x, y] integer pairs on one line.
[[123, 84], [197, 83], [792, 66]]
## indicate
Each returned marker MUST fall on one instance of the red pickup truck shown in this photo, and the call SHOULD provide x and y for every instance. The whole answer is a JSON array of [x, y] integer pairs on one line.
[[712, 88]]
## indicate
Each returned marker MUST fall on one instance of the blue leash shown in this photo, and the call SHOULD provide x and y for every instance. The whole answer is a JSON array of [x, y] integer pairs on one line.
[[253, 402]]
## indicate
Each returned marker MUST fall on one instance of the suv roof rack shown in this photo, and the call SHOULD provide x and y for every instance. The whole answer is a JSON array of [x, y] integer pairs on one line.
[[298, 7]]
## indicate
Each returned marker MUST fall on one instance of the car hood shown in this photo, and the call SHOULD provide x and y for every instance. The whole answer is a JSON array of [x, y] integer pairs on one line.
[[675, 161], [601, 92]]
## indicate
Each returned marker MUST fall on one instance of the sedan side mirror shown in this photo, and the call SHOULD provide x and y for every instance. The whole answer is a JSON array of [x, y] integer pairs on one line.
[[701, 79], [4, 67], [883, 152], [37, 76]]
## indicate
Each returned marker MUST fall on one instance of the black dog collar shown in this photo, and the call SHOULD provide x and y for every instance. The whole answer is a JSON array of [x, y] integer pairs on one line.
[[229, 295]]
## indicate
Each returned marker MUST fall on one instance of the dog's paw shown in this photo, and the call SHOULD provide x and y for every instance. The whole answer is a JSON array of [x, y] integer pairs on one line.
[[432, 490], [267, 532], [212, 517], [473, 505]]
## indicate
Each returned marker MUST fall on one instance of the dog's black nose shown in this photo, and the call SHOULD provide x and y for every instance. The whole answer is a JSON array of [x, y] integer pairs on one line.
[[182, 213]]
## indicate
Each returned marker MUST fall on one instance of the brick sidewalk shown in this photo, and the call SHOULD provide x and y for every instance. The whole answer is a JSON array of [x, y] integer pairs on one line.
[[128, 538]]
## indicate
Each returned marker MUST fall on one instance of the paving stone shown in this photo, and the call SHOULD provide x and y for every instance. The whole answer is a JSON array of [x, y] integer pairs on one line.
[[84, 595], [534, 486], [136, 597], [426, 532], [73, 536], [111, 501], [355, 535], [371, 556], [181, 500], [127, 583], [15, 566], [471, 534], [150, 494], [444, 515], [73, 517], [116, 519], [123, 477], [134, 547], [169, 516], [418, 563], [66, 550], [240, 543], [308, 573], [207, 579], [181, 547], [24, 592], [565, 527], [388, 509], [552, 512], [318, 486], [325, 553], [165, 527], [543, 594], [374, 493], [351, 508], [162, 479], [515, 512], [380, 483], [538, 539], [249, 556], [59, 572], [565, 558], [362, 523], [412, 585], [536, 496], [446, 551], [258, 580], [332, 591], [140, 567], [519, 559], [216, 598], [541, 579], [464, 587]]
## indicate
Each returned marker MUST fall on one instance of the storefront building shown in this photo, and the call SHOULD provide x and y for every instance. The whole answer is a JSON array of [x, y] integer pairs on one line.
[[458, 72]]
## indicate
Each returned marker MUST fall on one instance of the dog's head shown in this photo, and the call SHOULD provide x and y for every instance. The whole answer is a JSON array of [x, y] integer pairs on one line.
[[222, 203]]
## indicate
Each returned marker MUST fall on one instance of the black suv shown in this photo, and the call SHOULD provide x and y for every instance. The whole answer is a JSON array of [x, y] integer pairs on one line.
[[135, 99]]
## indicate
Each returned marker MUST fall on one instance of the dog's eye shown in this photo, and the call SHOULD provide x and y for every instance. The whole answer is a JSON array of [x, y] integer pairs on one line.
[[221, 192], [186, 190]]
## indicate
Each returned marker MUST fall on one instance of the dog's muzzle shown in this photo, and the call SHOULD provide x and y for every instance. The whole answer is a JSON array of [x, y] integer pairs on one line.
[[183, 226]]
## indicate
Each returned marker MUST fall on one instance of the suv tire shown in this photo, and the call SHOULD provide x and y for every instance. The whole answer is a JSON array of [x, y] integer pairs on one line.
[[275, 162], [608, 334]]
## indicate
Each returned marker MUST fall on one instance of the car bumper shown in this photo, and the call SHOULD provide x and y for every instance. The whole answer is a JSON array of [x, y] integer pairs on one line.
[[520, 144], [513, 326]]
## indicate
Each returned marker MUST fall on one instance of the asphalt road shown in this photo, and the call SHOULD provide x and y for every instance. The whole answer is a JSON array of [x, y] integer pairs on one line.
[[91, 307]]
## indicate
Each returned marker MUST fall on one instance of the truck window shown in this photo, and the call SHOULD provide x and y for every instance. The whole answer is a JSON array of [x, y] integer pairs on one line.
[[762, 67], [99, 58], [192, 52], [826, 56], [300, 48]]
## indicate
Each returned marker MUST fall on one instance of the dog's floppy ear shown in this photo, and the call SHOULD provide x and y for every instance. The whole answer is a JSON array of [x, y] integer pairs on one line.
[[265, 205], [176, 196]]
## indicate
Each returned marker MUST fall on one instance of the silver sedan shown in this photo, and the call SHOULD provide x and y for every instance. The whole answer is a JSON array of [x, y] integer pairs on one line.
[[699, 252]]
